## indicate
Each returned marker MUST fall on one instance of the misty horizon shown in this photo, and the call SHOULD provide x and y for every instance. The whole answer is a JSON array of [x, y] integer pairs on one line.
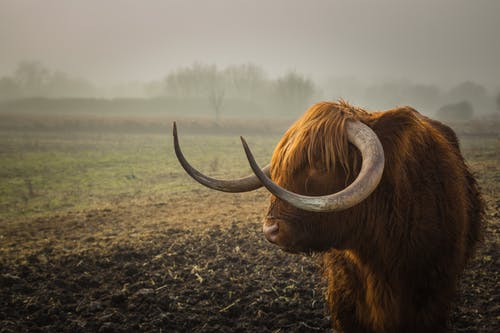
[[437, 43], [349, 79]]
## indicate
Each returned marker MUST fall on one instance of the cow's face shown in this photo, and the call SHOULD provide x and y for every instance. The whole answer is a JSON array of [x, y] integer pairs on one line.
[[296, 230], [311, 207]]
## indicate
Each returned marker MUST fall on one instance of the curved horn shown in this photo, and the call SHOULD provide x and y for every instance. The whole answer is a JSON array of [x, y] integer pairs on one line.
[[368, 179], [244, 184]]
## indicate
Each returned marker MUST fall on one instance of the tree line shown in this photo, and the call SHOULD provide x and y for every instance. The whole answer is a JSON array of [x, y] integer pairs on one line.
[[289, 93], [247, 83], [33, 79], [247, 88]]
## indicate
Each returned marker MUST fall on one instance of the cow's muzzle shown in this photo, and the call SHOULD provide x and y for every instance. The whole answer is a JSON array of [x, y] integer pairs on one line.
[[271, 230]]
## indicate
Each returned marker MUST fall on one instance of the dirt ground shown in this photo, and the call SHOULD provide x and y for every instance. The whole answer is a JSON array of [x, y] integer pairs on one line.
[[194, 263]]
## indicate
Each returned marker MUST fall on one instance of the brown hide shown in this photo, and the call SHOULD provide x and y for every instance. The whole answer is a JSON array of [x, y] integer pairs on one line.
[[392, 261]]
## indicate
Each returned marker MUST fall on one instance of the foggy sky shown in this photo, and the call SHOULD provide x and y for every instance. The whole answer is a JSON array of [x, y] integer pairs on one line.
[[428, 41]]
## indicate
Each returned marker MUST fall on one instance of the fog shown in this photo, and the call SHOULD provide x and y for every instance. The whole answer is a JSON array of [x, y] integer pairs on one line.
[[368, 52]]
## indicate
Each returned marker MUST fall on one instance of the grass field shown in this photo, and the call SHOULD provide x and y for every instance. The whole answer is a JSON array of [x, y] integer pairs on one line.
[[45, 172], [48, 172], [102, 231]]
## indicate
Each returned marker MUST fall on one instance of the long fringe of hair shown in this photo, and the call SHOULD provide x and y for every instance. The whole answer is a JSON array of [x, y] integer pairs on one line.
[[316, 140]]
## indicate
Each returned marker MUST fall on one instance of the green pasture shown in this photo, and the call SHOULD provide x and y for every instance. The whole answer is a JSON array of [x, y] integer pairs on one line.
[[46, 172]]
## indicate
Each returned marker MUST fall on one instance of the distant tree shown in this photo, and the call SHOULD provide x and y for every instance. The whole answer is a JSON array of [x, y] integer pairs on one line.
[[33, 78], [468, 90], [9, 89], [498, 101], [194, 81], [403, 92], [31, 73], [456, 111], [198, 81], [245, 81], [294, 91], [216, 99], [475, 93]]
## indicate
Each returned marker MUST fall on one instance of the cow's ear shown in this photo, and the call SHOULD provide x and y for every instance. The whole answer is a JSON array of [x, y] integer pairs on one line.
[[397, 121]]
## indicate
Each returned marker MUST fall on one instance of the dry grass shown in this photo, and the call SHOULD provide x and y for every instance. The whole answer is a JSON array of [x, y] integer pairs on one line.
[[105, 233]]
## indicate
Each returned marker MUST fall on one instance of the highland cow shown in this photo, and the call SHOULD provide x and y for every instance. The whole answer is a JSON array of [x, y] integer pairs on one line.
[[388, 200]]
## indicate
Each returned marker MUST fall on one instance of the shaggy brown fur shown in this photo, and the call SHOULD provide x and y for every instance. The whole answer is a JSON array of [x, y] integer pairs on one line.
[[392, 261]]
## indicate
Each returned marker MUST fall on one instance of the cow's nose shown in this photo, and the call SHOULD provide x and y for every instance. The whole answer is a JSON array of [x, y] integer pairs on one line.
[[271, 231]]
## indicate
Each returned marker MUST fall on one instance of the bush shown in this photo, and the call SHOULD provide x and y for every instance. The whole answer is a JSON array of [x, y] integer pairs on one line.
[[456, 111]]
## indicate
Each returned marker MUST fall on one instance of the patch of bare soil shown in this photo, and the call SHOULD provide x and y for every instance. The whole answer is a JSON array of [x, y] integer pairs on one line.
[[184, 266]]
